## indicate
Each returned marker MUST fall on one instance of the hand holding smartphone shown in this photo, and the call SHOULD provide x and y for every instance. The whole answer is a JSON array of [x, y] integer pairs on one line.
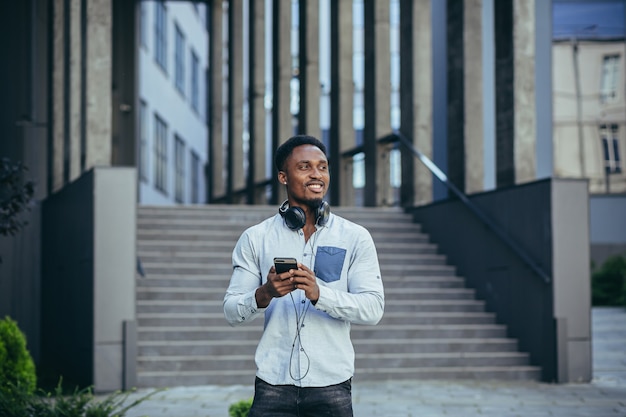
[[285, 264]]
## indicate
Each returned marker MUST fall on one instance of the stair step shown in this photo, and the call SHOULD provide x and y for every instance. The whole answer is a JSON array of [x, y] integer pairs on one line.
[[394, 331], [221, 281], [226, 362], [150, 348], [225, 269], [193, 306], [183, 255], [495, 373], [173, 247], [233, 377], [206, 293], [216, 318]]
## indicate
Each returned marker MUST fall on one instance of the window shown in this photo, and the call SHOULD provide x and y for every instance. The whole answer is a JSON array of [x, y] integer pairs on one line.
[[358, 170], [179, 169], [160, 154], [195, 68], [609, 134], [179, 61], [195, 178], [610, 77], [143, 141], [160, 35]]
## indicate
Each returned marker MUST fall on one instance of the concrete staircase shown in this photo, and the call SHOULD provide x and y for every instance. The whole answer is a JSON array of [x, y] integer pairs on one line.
[[433, 326]]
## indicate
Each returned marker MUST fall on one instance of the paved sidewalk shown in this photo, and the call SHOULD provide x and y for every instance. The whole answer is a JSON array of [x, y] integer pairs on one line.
[[604, 396]]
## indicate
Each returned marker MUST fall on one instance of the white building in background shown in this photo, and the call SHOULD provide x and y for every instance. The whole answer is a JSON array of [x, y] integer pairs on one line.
[[173, 134], [589, 81]]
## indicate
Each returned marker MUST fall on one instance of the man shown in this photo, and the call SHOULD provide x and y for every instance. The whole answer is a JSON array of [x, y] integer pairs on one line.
[[305, 358]]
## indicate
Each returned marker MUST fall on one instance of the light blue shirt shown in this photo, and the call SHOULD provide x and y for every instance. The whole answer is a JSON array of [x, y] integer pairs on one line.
[[304, 344]]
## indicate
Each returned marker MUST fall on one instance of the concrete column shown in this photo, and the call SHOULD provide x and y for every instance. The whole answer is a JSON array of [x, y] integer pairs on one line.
[[473, 85], [115, 214], [345, 84], [76, 40], [423, 97], [235, 74], [543, 89], [524, 90], [285, 130], [571, 279], [217, 91], [383, 69], [312, 69], [99, 64], [257, 84], [383, 98], [58, 80]]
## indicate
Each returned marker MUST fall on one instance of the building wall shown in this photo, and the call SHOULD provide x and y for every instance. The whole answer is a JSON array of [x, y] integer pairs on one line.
[[548, 221], [88, 279], [157, 90], [608, 227], [578, 149]]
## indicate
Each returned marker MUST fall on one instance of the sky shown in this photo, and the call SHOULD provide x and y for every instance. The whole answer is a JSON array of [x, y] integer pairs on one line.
[[588, 18]]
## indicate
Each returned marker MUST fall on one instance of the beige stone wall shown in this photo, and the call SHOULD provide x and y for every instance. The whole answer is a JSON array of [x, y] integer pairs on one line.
[[525, 137], [422, 99], [67, 81], [473, 54]]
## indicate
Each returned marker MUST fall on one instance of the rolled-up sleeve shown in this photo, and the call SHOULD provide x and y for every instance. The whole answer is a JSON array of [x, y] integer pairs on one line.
[[240, 302]]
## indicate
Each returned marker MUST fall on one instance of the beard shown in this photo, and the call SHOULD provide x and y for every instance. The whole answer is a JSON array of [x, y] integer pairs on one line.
[[311, 203], [314, 204]]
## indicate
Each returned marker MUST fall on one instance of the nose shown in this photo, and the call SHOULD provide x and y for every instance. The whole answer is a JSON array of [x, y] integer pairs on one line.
[[316, 172]]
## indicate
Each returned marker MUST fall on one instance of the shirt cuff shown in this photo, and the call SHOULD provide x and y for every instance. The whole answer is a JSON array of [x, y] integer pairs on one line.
[[247, 306], [324, 302]]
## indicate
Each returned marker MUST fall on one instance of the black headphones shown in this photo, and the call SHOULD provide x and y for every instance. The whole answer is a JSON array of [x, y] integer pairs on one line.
[[296, 219]]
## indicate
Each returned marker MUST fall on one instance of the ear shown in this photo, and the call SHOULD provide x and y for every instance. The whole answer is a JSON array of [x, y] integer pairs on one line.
[[282, 177]]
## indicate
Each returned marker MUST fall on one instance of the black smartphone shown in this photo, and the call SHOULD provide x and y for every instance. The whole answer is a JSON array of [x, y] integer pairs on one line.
[[285, 264]]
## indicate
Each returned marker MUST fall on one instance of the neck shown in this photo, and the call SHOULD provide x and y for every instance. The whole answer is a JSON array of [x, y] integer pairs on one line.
[[309, 228]]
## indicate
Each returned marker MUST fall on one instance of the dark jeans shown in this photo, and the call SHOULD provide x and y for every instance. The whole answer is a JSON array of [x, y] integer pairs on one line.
[[289, 400]]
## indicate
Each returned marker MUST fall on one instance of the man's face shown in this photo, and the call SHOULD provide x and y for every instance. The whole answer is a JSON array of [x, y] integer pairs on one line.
[[306, 175]]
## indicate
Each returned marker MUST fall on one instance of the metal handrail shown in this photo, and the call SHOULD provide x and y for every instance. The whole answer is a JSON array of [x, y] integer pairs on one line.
[[432, 167]]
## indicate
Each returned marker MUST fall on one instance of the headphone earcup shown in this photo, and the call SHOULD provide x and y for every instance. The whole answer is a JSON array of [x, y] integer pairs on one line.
[[294, 218], [323, 212]]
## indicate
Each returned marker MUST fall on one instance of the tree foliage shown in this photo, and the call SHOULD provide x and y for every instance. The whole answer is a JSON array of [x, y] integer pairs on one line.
[[15, 196], [608, 283], [17, 368]]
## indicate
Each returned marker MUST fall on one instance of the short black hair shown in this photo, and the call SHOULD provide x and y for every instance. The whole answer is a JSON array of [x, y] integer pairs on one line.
[[284, 151]]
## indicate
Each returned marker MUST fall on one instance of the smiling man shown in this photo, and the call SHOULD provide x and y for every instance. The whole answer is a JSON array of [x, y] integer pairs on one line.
[[305, 358]]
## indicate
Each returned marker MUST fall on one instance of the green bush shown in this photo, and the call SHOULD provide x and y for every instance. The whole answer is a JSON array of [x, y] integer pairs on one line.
[[240, 408], [608, 284], [81, 403], [17, 369]]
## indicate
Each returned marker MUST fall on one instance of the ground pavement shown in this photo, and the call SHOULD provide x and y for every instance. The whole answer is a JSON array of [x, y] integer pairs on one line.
[[604, 396]]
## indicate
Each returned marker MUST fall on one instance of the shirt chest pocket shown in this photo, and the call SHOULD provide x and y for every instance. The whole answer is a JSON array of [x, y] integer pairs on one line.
[[329, 263]]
